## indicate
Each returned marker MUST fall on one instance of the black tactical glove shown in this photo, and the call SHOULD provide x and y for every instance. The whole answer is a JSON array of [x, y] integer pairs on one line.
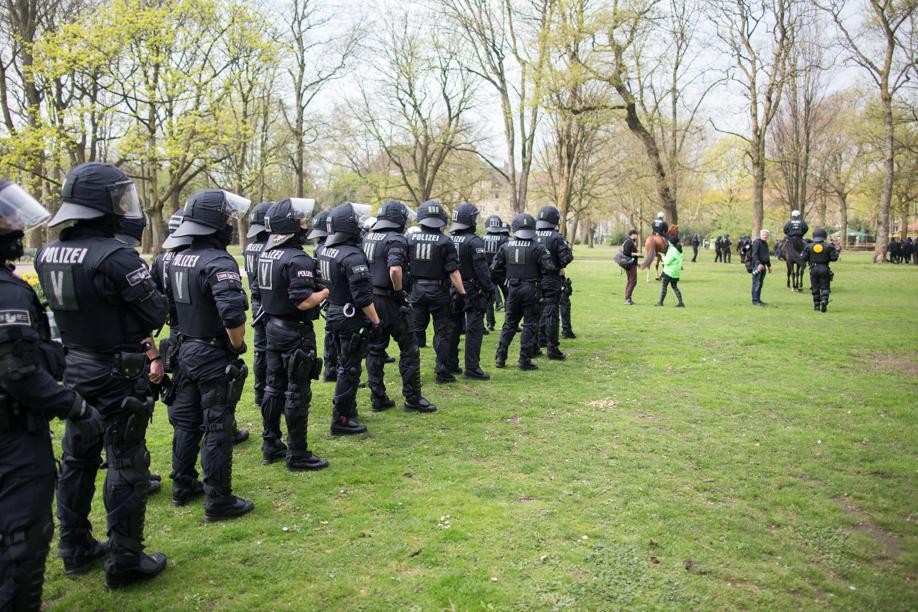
[[238, 351], [81, 411], [458, 303], [376, 332]]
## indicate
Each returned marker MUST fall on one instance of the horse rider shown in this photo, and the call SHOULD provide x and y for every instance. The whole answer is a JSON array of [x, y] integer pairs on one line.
[[659, 225], [795, 229]]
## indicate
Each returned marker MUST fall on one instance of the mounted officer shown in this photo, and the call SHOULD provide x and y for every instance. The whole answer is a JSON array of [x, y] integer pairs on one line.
[[794, 230], [659, 225]]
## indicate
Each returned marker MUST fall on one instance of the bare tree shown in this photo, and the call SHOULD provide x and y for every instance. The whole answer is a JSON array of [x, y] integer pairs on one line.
[[885, 48], [510, 50], [760, 36]]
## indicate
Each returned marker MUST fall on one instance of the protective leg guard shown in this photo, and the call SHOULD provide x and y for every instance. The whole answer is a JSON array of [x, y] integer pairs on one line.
[[296, 413], [76, 486]]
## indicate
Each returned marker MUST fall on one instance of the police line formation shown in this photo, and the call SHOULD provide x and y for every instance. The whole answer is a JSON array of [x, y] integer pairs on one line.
[[387, 282]]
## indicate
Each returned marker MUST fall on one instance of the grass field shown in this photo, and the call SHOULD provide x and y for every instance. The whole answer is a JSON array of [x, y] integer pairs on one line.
[[720, 456]]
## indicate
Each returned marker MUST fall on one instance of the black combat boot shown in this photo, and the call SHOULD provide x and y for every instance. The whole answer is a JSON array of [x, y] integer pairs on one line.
[[304, 461], [476, 374], [500, 359], [80, 559], [419, 404], [155, 485], [226, 508], [272, 450], [445, 378], [527, 364], [346, 426], [182, 493], [121, 570], [568, 335], [556, 355], [382, 402], [239, 435]]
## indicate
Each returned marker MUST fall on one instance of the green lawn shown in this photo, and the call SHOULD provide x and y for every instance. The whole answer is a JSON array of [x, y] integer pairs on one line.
[[720, 456]]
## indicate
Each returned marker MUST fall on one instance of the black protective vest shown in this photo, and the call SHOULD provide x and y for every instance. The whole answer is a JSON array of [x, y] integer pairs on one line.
[[820, 253], [658, 226], [250, 256], [331, 270], [425, 252], [522, 259], [556, 246], [492, 244], [794, 227], [376, 247], [466, 243], [194, 301], [86, 320]]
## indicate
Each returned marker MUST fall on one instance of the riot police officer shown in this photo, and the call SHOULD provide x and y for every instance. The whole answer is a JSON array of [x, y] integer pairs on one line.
[[30, 366], [794, 231], [329, 352], [434, 267], [553, 281], [496, 235], [726, 245], [351, 315], [659, 225], [210, 301], [567, 331], [387, 253], [819, 254], [290, 298], [523, 263], [476, 278], [258, 236], [105, 305]]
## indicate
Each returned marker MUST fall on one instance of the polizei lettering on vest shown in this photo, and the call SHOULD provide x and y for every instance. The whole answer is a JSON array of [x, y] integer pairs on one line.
[[64, 255], [186, 261]]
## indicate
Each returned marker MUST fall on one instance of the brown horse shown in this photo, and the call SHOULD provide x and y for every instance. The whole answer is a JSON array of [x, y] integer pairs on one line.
[[792, 253], [654, 248]]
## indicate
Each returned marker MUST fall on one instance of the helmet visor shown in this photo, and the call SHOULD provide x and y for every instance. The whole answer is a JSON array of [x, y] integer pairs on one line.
[[235, 205], [18, 210], [361, 212], [302, 207], [126, 200], [412, 214]]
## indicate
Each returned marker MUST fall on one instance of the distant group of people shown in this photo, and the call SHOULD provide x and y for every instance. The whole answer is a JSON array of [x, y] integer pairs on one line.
[[903, 251]]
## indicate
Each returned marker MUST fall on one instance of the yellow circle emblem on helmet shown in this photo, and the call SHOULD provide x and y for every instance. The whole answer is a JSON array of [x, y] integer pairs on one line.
[[817, 248]]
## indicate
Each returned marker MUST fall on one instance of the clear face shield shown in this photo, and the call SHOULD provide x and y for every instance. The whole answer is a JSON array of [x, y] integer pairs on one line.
[[18, 210], [361, 212], [235, 206], [302, 208], [412, 215], [126, 200]]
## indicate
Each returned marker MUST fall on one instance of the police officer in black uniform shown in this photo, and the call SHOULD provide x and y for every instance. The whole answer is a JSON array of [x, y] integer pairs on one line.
[[290, 298], [351, 315], [329, 353], [659, 225], [496, 235], [523, 263], [819, 254], [210, 301], [553, 281], [105, 306], [476, 279], [434, 267], [386, 249], [258, 236], [795, 229], [567, 331], [30, 366]]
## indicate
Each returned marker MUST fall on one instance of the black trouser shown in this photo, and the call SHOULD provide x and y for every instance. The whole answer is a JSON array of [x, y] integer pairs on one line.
[[27, 477], [330, 353], [552, 287], [260, 357], [694, 252], [206, 387], [96, 379], [187, 422], [472, 321], [669, 280], [820, 278], [496, 302], [351, 349], [397, 324], [565, 311], [288, 389], [430, 299], [522, 304]]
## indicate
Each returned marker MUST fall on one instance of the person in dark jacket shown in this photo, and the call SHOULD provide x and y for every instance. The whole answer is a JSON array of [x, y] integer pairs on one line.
[[696, 241], [819, 254], [761, 261], [630, 249], [31, 365]]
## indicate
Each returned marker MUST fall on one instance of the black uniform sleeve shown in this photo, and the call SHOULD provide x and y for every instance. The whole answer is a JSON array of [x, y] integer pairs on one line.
[[480, 264], [397, 257], [499, 266], [544, 261], [222, 276], [127, 273], [357, 272], [565, 254], [786, 228], [804, 228], [450, 255], [301, 278]]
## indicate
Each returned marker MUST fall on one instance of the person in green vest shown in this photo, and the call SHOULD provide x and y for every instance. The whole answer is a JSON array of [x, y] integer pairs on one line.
[[672, 269]]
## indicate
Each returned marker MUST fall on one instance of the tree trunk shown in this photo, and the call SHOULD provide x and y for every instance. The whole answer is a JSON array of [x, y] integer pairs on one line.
[[882, 244], [667, 201], [758, 189], [843, 213]]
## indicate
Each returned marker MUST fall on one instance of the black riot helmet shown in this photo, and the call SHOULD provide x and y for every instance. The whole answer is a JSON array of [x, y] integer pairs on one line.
[[432, 214], [820, 235], [549, 218], [524, 226], [283, 220], [393, 215], [319, 229], [19, 212], [465, 216], [257, 219], [95, 190], [493, 224], [208, 211], [504, 229], [172, 241], [130, 230], [344, 221]]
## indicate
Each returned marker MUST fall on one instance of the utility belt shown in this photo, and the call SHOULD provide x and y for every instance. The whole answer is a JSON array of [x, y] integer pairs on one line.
[[130, 364], [517, 282], [383, 292], [14, 416], [292, 324], [428, 282], [215, 342]]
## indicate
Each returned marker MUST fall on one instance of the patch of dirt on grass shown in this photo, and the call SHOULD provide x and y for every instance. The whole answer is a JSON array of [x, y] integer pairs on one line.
[[888, 541], [603, 404], [896, 363]]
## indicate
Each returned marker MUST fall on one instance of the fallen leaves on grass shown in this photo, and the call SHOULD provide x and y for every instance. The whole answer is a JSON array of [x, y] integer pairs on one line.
[[603, 404]]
